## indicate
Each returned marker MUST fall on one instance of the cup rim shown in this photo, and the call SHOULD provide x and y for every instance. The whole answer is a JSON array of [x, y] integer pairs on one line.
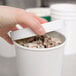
[[41, 49]]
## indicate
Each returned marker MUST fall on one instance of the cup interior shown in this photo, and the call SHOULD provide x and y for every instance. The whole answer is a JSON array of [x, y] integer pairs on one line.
[[53, 34]]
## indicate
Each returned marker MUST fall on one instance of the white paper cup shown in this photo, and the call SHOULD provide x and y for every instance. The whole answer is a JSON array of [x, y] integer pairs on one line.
[[63, 11], [66, 12], [63, 7], [41, 62], [54, 17]]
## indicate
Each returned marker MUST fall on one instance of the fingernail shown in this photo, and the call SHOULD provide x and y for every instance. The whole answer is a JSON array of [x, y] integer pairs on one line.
[[40, 31]]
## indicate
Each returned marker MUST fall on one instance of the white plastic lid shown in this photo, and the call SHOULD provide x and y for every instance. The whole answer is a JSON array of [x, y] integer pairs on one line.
[[63, 7], [27, 32]]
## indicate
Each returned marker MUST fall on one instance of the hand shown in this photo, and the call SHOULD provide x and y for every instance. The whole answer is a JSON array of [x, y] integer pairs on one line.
[[10, 16]]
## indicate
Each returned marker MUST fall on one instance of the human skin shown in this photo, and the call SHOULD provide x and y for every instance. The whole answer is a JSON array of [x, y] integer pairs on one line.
[[10, 16]]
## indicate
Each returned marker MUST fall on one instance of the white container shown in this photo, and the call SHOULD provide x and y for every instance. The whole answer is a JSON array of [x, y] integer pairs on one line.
[[41, 62], [63, 7], [66, 12], [54, 17], [39, 11], [63, 14]]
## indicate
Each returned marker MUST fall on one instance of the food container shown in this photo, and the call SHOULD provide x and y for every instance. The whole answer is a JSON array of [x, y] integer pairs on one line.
[[40, 61], [66, 12]]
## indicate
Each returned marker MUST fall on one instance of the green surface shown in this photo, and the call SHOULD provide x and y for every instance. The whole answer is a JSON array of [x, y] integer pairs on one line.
[[48, 18]]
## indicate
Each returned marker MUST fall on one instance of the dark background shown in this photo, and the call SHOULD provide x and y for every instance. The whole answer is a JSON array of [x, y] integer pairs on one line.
[[33, 3]]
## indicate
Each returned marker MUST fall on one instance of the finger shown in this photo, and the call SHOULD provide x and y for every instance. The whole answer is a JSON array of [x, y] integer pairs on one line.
[[8, 39], [33, 23], [23, 25], [14, 28], [41, 20]]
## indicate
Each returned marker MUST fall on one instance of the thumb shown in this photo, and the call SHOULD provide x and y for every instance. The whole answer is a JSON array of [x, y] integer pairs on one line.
[[24, 18]]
